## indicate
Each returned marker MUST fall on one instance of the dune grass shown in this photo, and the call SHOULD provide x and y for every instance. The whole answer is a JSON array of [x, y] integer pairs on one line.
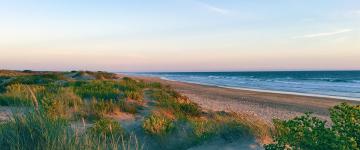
[[157, 125], [19, 94], [177, 116], [60, 100], [96, 89], [37, 131]]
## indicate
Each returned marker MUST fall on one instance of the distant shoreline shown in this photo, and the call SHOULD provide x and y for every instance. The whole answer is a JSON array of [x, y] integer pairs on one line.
[[270, 91]]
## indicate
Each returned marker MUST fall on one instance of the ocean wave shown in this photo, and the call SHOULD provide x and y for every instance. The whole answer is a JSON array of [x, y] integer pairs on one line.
[[325, 83], [330, 79]]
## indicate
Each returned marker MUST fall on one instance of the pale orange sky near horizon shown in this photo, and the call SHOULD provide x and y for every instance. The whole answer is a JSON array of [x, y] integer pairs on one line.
[[180, 36]]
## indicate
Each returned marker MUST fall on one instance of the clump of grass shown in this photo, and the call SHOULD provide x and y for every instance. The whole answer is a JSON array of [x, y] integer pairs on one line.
[[129, 107], [220, 124], [61, 102], [181, 106], [34, 131], [98, 108], [257, 127], [99, 75], [154, 85], [19, 95], [39, 79], [133, 89], [135, 95], [96, 89], [204, 128], [185, 106], [37, 131], [106, 128], [157, 125]]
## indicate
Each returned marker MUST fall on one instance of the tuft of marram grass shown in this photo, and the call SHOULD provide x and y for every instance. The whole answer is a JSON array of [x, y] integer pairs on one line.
[[157, 125], [37, 131]]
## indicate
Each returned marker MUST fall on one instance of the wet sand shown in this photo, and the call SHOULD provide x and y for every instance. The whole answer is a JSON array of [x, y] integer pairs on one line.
[[264, 105]]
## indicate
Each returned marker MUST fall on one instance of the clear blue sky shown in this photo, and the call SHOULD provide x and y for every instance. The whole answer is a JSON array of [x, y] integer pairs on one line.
[[180, 35]]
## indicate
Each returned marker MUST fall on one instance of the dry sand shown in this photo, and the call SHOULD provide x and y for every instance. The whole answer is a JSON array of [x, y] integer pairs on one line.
[[260, 104]]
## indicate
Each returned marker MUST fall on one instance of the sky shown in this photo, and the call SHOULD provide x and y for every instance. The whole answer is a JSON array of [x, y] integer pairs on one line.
[[180, 35]]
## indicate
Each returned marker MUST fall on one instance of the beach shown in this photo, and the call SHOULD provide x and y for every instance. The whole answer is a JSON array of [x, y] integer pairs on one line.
[[265, 105]]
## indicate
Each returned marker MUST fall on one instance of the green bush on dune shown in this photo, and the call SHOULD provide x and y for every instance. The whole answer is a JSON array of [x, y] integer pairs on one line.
[[346, 122], [306, 132]]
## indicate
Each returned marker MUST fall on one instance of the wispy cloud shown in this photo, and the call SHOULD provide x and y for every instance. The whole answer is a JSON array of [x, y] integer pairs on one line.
[[213, 8], [354, 13], [323, 34]]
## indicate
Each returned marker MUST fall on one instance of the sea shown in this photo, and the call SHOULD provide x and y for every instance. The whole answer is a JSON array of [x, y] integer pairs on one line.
[[334, 84]]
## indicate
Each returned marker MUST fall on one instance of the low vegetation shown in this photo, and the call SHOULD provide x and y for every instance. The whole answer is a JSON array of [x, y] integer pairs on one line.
[[38, 131], [307, 132], [83, 110], [157, 125], [98, 110]]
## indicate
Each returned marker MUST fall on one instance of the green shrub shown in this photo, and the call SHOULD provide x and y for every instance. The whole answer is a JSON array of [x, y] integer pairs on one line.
[[157, 125], [308, 132], [346, 121]]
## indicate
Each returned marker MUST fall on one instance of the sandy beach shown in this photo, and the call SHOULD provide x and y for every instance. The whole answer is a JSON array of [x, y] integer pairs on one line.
[[264, 105]]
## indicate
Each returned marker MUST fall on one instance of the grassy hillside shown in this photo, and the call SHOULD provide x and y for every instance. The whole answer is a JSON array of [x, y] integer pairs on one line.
[[98, 110]]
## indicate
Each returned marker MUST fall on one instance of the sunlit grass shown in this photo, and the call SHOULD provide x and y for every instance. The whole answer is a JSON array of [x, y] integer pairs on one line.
[[60, 100]]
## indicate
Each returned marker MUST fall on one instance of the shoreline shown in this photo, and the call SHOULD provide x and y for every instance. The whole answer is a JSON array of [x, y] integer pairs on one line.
[[266, 91], [265, 105]]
